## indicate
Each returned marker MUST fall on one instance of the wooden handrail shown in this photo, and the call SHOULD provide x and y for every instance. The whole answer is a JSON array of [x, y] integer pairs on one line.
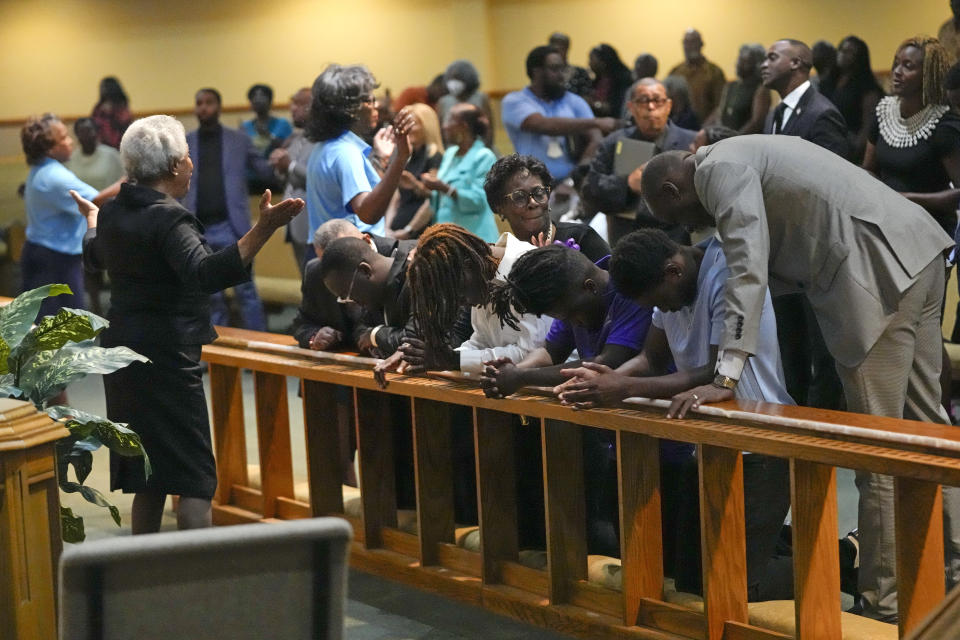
[[920, 456]]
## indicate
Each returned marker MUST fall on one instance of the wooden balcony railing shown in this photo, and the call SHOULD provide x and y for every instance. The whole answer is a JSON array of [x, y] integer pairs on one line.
[[575, 593]]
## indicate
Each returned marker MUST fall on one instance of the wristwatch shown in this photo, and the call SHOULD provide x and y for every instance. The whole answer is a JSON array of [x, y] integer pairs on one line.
[[724, 382]]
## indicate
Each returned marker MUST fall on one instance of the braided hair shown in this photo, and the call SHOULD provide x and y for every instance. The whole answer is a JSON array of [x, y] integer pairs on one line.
[[435, 275], [538, 280], [936, 64]]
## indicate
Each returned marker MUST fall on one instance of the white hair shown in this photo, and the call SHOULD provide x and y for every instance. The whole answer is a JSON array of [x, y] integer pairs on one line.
[[152, 146]]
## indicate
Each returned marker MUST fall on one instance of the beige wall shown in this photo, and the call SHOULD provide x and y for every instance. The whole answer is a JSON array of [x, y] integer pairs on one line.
[[52, 53]]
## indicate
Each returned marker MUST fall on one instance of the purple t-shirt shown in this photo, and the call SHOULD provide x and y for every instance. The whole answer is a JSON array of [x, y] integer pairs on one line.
[[625, 324]]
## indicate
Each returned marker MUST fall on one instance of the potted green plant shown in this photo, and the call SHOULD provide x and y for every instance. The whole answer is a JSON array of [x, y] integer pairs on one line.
[[38, 361]]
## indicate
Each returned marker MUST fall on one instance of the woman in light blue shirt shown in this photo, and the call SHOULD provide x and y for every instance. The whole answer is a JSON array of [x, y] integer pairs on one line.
[[55, 228], [459, 196]]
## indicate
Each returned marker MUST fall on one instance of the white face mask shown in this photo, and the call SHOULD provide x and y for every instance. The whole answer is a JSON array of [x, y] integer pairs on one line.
[[455, 87]]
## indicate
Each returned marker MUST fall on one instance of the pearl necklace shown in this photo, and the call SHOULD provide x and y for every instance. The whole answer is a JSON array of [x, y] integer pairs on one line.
[[900, 132]]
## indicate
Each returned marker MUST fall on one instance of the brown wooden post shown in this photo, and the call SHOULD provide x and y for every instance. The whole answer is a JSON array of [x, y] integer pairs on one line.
[[723, 538], [273, 437], [496, 490], [324, 456], [565, 506], [433, 466], [919, 527], [30, 542], [641, 531], [230, 448], [816, 564], [378, 493]]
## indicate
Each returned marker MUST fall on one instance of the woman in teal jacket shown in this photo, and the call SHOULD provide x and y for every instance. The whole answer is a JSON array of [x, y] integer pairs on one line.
[[459, 196]]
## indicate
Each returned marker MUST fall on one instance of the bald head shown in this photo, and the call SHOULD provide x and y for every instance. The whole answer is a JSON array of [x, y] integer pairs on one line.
[[692, 45], [786, 66], [331, 230], [668, 189]]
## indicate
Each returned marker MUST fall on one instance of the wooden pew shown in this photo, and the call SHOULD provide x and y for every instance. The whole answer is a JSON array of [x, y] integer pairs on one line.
[[565, 596]]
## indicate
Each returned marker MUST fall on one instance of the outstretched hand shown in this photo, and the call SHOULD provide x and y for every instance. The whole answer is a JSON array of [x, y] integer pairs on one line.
[[277, 215], [87, 209]]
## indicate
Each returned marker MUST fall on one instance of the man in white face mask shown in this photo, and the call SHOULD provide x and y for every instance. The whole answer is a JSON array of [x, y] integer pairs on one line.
[[462, 82]]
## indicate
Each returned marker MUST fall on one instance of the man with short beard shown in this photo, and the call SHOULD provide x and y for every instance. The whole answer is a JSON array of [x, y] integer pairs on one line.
[[618, 196], [541, 117]]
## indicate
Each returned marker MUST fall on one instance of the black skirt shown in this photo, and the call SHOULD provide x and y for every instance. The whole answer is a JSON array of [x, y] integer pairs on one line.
[[163, 401]]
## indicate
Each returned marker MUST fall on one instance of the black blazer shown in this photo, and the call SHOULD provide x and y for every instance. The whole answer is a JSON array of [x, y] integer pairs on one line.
[[816, 120], [161, 269]]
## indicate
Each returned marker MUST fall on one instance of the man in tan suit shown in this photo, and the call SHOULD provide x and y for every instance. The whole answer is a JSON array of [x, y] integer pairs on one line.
[[869, 261]]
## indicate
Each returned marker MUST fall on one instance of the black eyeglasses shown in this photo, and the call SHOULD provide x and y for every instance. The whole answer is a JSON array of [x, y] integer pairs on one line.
[[520, 197], [348, 299], [652, 103]]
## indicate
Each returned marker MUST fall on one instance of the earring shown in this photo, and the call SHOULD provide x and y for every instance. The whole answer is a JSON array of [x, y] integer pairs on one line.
[[175, 173]]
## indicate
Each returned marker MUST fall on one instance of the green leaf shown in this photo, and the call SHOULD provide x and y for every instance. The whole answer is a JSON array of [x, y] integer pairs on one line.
[[82, 461], [49, 372], [7, 388], [52, 332], [71, 526], [116, 436], [91, 495], [17, 317], [4, 354]]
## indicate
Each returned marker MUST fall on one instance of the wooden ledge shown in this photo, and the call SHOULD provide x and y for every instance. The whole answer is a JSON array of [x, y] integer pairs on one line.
[[22, 426]]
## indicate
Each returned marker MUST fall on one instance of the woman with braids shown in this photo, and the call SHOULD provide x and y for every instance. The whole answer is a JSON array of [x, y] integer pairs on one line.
[[602, 325], [914, 143], [453, 269], [341, 179], [518, 190]]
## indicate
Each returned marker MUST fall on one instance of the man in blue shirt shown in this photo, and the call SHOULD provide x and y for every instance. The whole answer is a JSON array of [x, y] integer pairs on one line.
[[540, 118], [686, 286]]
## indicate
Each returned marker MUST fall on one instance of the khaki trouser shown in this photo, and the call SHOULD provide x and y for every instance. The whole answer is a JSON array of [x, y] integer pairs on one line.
[[900, 378]]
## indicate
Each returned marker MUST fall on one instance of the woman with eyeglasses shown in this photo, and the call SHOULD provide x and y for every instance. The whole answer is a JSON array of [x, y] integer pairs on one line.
[[342, 179], [518, 190], [458, 184]]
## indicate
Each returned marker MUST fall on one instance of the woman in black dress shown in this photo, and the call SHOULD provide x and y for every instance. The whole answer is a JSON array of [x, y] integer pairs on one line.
[[745, 101], [853, 88], [163, 273], [409, 214], [518, 190], [914, 142]]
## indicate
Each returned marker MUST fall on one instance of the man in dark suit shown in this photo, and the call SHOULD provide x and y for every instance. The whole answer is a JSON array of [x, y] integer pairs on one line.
[[803, 111], [322, 324], [218, 195], [618, 196], [809, 369]]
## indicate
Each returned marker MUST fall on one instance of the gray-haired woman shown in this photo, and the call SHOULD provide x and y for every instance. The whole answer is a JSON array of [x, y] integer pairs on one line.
[[163, 273]]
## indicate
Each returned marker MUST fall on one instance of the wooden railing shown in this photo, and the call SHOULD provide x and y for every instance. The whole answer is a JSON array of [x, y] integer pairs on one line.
[[921, 457]]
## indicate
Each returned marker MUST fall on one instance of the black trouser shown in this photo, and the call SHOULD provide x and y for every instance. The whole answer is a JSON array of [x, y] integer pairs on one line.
[[766, 492], [808, 367]]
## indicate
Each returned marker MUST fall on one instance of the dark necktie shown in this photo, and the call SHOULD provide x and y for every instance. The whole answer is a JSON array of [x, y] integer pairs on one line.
[[778, 117]]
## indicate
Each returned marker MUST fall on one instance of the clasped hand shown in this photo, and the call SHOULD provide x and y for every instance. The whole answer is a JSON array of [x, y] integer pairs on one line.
[[591, 385], [500, 378]]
